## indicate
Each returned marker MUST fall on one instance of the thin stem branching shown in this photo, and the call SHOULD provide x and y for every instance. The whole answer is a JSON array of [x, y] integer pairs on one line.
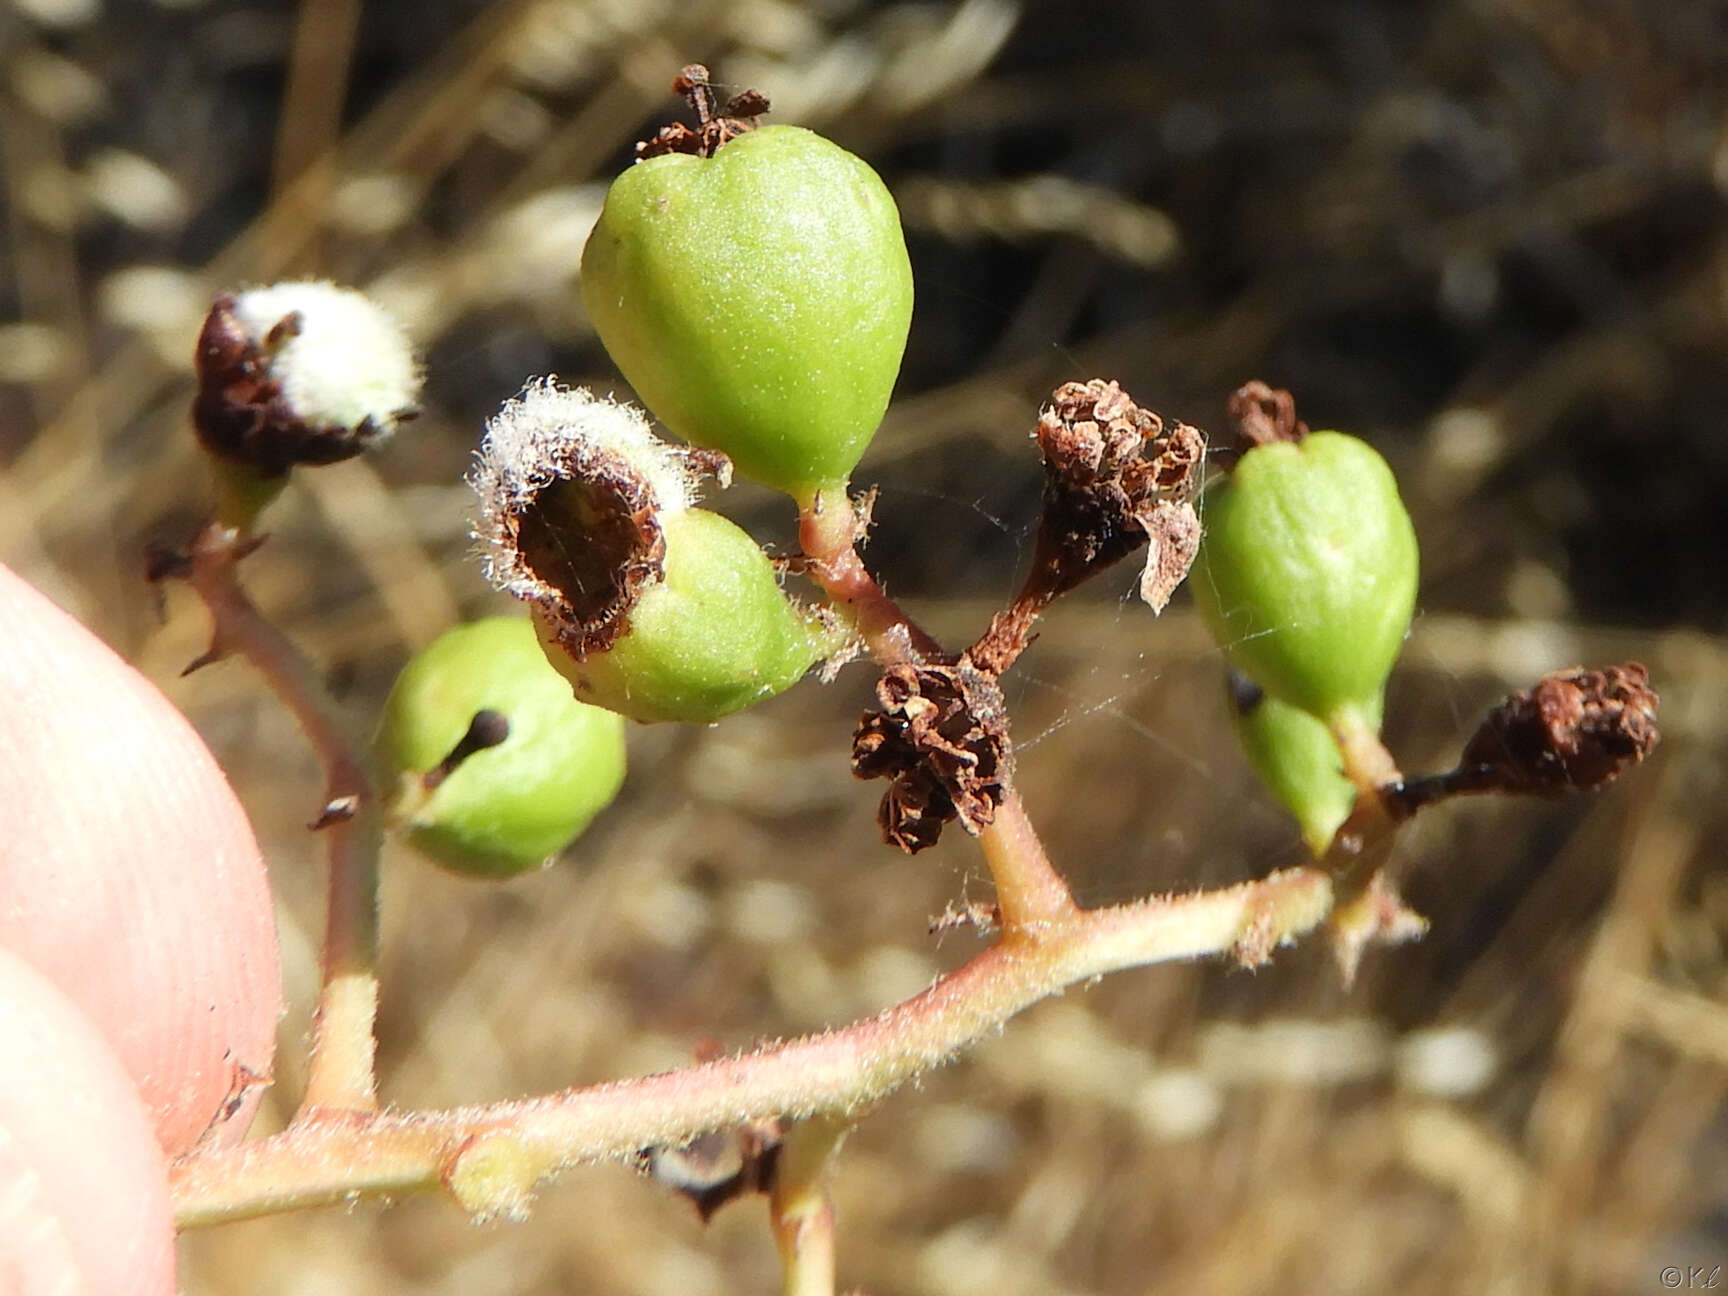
[[341, 1068], [341, 1156]]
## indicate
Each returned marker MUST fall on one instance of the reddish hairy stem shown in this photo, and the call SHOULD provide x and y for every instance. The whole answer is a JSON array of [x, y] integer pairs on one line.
[[828, 531], [341, 1066], [1030, 892], [336, 1156], [1367, 762], [1028, 888]]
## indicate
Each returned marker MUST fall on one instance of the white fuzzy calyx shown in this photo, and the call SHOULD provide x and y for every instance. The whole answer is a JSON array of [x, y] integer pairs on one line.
[[339, 359], [550, 432]]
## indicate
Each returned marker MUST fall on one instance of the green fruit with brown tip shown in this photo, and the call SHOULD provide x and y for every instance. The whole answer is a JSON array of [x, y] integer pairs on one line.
[[757, 300], [715, 635], [500, 809], [1307, 573]]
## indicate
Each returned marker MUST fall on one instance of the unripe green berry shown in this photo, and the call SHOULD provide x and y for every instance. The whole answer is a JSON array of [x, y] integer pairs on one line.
[[715, 636], [507, 807], [1307, 572], [1297, 758], [650, 607], [757, 300]]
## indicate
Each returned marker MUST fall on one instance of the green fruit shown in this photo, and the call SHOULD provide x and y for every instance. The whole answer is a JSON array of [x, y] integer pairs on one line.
[[718, 634], [757, 300], [1297, 758], [1307, 573], [508, 807]]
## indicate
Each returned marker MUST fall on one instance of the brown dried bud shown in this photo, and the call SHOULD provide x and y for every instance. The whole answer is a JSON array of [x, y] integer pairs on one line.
[[299, 373], [1576, 730], [942, 737], [1115, 478]]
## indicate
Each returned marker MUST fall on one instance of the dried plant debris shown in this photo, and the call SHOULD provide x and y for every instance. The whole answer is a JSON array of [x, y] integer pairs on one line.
[[715, 123], [1114, 477], [983, 918], [1576, 730], [941, 736], [1261, 414]]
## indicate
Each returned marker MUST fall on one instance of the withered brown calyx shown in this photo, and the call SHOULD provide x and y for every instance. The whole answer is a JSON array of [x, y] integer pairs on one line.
[[715, 123], [1574, 730], [1115, 478], [1261, 414], [941, 736]]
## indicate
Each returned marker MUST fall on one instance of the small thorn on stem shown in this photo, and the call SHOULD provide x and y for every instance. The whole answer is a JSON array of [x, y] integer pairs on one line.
[[209, 657], [1377, 915], [338, 810]]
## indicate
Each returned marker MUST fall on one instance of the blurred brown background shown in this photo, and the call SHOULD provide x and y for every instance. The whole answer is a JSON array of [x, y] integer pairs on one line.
[[1488, 236]]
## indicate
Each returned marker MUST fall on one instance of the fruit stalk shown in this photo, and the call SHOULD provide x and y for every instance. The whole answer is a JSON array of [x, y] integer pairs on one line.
[[341, 1070]]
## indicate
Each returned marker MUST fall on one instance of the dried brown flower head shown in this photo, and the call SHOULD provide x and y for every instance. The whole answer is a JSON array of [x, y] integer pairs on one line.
[[941, 735], [300, 373], [1575, 730], [715, 123]]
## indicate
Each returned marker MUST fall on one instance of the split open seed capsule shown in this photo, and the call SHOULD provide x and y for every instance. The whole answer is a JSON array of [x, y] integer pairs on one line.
[[649, 606]]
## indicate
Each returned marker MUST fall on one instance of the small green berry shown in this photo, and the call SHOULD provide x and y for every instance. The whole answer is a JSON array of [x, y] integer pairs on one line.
[[651, 607], [1307, 572], [493, 766], [715, 636], [1297, 758], [757, 300]]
